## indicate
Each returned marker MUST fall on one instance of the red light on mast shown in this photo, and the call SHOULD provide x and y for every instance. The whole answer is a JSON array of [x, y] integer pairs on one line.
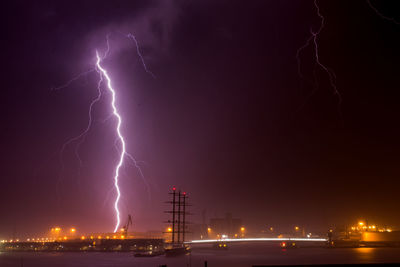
[[173, 188], [184, 193]]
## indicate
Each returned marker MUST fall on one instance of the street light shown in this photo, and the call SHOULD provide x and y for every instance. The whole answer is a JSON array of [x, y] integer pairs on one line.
[[242, 229]]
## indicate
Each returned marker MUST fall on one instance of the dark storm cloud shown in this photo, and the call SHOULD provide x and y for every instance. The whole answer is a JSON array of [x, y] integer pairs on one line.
[[83, 28]]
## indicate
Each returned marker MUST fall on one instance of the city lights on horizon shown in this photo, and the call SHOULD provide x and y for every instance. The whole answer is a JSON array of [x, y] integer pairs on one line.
[[58, 234], [363, 226]]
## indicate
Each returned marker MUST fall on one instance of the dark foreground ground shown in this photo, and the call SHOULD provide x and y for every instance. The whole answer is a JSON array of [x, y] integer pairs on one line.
[[234, 256]]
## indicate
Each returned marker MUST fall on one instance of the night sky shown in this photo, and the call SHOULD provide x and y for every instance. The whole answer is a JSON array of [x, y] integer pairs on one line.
[[227, 118]]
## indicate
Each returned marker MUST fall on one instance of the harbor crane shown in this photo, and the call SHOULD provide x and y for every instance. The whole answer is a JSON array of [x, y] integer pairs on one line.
[[126, 227]]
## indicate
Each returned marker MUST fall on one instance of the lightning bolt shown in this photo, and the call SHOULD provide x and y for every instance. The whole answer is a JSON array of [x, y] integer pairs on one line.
[[82, 135], [74, 79], [381, 15], [121, 149], [132, 37], [103, 73], [312, 40]]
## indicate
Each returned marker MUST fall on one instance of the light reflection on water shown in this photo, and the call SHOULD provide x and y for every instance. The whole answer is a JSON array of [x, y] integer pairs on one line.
[[235, 256], [366, 254]]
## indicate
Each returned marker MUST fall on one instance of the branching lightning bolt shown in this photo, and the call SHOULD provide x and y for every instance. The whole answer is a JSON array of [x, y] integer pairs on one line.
[[81, 137], [313, 39], [135, 163]]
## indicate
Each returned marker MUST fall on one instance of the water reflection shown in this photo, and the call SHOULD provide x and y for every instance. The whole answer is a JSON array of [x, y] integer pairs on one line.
[[365, 254]]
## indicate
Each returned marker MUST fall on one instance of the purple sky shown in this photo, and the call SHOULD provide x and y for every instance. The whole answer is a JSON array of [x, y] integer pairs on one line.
[[227, 118]]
